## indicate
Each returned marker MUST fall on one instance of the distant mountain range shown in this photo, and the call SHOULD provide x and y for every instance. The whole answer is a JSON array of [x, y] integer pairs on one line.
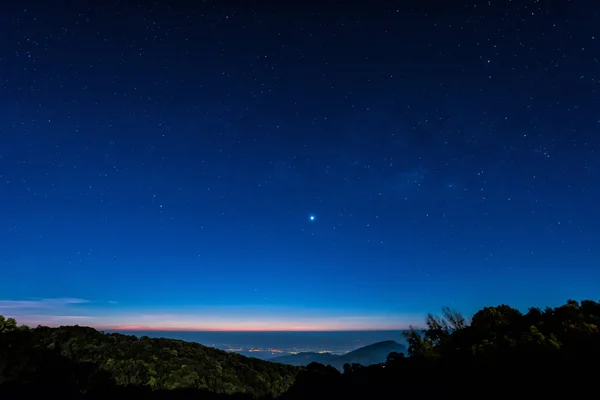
[[372, 354]]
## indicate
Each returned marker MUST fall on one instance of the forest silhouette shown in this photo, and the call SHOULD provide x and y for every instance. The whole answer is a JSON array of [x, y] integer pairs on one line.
[[500, 352]]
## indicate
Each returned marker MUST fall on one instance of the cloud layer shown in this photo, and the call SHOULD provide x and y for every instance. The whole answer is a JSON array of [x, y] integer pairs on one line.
[[39, 303], [51, 312]]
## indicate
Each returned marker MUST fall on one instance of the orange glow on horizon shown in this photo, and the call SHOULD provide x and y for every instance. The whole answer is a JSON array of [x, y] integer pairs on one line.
[[238, 329], [175, 325], [69, 312]]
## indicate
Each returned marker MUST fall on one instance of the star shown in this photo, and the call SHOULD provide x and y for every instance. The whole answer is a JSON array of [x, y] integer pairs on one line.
[[312, 217]]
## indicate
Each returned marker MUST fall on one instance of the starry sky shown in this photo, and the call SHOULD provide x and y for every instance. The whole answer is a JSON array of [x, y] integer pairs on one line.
[[296, 165]]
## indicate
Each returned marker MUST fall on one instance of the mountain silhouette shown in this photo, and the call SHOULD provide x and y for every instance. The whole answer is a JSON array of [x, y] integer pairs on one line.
[[372, 354]]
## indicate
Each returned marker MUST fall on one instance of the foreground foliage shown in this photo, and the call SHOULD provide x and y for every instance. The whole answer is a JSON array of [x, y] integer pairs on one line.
[[501, 352], [129, 361]]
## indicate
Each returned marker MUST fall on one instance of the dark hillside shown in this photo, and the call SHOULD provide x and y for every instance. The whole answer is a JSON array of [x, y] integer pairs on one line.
[[372, 354], [127, 360], [501, 353]]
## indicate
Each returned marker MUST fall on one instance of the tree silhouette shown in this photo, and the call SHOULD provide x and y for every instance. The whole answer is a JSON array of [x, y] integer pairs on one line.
[[502, 350]]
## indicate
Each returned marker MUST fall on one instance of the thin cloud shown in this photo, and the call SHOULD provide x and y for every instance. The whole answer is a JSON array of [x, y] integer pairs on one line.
[[40, 303], [44, 311], [60, 318], [70, 300], [18, 304]]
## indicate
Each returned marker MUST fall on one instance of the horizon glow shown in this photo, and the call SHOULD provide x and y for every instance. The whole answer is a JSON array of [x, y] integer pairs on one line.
[[242, 318]]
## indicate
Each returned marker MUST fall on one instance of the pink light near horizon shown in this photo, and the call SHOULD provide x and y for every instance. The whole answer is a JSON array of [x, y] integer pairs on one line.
[[254, 322], [113, 316]]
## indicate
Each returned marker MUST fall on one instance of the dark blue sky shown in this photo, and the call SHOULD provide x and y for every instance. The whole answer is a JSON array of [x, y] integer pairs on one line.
[[159, 164]]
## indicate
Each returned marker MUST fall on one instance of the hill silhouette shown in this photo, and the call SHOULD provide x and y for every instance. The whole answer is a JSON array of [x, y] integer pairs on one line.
[[500, 353], [154, 363], [372, 354]]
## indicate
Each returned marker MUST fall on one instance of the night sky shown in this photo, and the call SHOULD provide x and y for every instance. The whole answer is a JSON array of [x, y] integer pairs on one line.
[[307, 166]]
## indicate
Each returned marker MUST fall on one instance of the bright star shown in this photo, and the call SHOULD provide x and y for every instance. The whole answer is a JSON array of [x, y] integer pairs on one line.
[[312, 217]]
